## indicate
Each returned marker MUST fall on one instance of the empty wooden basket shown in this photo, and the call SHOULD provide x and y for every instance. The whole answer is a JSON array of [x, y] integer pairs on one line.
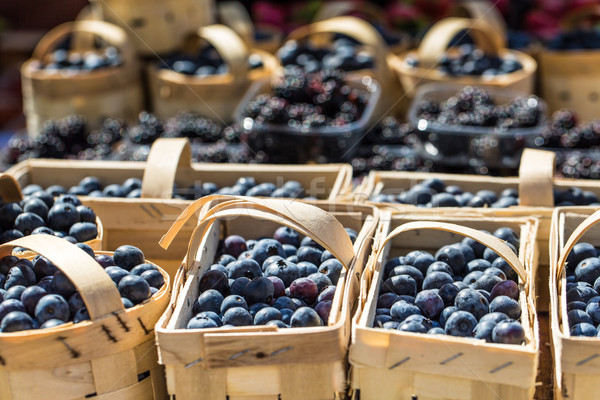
[[107, 92], [101, 358]]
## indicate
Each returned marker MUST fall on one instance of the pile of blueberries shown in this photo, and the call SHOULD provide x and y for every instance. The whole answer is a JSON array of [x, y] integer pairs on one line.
[[344, 54], [64, 60], [473, 106], [583, 290], [303, 100], [132, 188], [287, 281], [433, 192], [205, 63], [472, 61], [40, 213], [576, 39], [465, 290], [35, 294]]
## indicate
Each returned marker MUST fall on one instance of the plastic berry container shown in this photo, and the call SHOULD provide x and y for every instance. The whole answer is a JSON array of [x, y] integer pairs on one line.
[[284, 144], [464, 145]]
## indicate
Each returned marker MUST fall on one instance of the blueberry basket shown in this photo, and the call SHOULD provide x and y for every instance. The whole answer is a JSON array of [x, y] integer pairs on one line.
[[284, 144], [463, 145]]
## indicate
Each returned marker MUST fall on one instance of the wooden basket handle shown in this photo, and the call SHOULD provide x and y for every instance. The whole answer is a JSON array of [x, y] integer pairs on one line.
[[228, 44], [341, 8], [484, 238], [577, 234], [357, 29], [573, 18], [109, 32], [167, 156], [309, 220], [483, 12], [536, 178], [97, 290], [438, 37], [10, 191], [234, 15]]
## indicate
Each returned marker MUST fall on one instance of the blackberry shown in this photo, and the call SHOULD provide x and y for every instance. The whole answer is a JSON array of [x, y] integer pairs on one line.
[[147, 130]]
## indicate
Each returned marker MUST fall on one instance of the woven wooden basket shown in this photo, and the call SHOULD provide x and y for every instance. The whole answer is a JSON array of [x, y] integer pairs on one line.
[[535, 184], [434, 46], [101, 358], [234, 15], [321, 33], [569, 78], [142, 222], [214, 96], [577, 368], [156, 26], [114, 91], [372, 13], [261, 362], [389, 364]]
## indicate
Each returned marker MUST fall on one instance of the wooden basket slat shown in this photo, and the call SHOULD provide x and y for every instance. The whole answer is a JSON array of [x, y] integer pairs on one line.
[[388, 365]]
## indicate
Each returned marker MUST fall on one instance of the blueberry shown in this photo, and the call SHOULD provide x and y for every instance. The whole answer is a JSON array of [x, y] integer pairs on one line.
[[116, 273], [14, 292], [16, 321], [333, 269], [411, 271], [412, 326], [402, 309], [505, 267], [508, 332], [62, 285], [421, 260], [436, 280], [445, 314], [212, 279], [212, 315], [588, 270], [583, 329], [265, 248], [201, 322], [140, 269], [6, 263], [284, 302], [210, 300], [238, 285], [234, 245], [134, 288], [86, 214], [19, 275], [127, 303], [486, 282], [51, 323], [245, 267], [36, 206], [305, 317], [256, 307], [310, 254], [226, 259], [27, 222], [578, 316], [232, 301], [580, 252], [62, 216], [327, 294], [267, 314], [436, 331], [52, 306], [128, 257], [259, 290], [237, 316], [576, 305], [284, 270], [448, 293], [307, 268], [453, 257], [401, 285], [30, 297], [430, 303], [484, 330], [507, 306], [581, 293], [286, 235], [305, 290], [154, 278], [291, 251], [593, 310], [478, 264], [81, 315], [505, 288], [8, 214], [460, 323], [439, 266], [473, 302]]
